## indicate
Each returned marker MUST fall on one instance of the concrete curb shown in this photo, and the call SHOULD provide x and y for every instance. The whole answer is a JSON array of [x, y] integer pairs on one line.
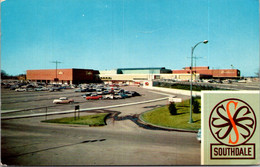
[[163, 127]]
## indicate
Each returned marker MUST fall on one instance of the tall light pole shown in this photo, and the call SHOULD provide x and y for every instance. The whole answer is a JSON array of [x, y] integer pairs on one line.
[[191, 74]]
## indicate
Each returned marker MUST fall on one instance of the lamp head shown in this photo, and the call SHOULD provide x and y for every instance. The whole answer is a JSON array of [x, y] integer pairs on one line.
[[206, 41]]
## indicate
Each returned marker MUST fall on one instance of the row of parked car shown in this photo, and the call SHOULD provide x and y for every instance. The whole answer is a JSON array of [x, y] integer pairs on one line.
[[101, 91], [115, 95], [95, 96], [22, 87]]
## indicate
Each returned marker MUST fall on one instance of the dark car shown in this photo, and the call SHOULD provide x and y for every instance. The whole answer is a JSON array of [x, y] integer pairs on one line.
[[134, 93], [55, 89], [86, 94]]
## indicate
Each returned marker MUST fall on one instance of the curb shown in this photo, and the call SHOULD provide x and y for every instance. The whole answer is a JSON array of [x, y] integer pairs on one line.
[[163, 127]]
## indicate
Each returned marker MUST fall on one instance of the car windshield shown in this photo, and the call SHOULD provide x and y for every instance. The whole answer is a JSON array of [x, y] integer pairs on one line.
[[63, 98]]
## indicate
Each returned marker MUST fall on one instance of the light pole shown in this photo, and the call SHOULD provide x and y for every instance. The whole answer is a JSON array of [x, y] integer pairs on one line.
[[191, 74]]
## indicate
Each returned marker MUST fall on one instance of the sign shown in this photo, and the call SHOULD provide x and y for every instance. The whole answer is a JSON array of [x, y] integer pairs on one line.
[[230, 130], [77, 107]]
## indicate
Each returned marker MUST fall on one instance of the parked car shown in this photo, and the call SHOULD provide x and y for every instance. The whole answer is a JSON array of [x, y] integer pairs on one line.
[[105, 92], [99, 92], [86, 94], [41, 89], [77, 90], [55, 89], [199, 135], [20, 90], [94, 97], [129, 94], [242, 81], [134, 93], [110, 96], [63, 100], [123, 95], [13, 87], [117, 96]]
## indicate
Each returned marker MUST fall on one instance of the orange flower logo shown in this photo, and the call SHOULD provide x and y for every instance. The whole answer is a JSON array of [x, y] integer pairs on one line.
[[232, 122]]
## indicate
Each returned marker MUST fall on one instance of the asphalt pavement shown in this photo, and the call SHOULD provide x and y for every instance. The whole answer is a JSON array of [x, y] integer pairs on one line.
[[28, 141]]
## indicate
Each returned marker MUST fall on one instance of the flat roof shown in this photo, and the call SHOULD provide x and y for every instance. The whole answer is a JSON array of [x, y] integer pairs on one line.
[[142, 68]]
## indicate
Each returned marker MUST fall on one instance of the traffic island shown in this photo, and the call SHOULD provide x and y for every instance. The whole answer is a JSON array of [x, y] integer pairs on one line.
[[162, 118], [91, 120]]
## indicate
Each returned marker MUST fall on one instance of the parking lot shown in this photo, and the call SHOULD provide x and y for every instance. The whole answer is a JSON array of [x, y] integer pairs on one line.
[[34, 102], [28, 141]]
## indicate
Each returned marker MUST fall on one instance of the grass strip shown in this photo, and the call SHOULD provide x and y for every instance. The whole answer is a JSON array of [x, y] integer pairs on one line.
[[162, 117], [92, 120]]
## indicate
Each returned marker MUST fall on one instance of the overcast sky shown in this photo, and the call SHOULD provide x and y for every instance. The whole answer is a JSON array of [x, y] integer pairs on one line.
[[109, 34]]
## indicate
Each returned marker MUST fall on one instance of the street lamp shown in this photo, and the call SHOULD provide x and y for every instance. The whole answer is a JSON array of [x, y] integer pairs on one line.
[[192, 50]]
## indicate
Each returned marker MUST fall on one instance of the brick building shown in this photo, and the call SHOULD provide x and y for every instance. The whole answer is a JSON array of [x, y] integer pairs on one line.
[[211, 73], [63, 76]]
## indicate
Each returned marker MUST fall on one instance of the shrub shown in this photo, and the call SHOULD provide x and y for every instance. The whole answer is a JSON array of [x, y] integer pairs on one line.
[[172, 108], [196, 106]]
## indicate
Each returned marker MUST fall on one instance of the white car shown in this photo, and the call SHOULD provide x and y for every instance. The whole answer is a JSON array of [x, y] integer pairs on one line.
[[117, 96], [199, 135], [110, 96], [20, 90], [63, 100]]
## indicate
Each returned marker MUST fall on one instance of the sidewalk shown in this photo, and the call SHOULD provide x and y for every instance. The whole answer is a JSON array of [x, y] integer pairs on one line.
[[175, 91]]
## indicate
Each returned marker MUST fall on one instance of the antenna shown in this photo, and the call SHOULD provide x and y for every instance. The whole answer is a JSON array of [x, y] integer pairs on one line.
[[195, 60], [56, 62]]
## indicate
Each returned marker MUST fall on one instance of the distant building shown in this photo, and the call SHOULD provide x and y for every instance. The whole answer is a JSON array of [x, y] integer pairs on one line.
[[63, 76], [210, 73], [156, 70], [138, 75]]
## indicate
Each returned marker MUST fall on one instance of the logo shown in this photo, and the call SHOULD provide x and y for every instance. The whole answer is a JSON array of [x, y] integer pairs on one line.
[[232, 123]]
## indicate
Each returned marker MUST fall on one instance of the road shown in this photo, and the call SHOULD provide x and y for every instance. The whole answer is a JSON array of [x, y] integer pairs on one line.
[[28, 141]]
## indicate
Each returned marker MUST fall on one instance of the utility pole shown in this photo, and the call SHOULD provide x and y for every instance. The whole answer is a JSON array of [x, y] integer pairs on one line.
[[56, 62]]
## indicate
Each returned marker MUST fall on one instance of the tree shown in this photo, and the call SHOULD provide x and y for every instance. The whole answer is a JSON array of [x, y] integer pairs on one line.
[[172, 108], [4, 75]]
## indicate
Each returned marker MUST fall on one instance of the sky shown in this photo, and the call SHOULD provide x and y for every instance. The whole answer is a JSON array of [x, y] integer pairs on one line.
[[110, 34]]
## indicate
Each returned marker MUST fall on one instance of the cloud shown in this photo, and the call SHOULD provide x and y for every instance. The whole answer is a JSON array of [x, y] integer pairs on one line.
[[2, 1]]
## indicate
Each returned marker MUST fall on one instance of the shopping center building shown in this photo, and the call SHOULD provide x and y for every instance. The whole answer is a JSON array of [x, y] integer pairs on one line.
[[63, 76], [211, 73], [133, 76]]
